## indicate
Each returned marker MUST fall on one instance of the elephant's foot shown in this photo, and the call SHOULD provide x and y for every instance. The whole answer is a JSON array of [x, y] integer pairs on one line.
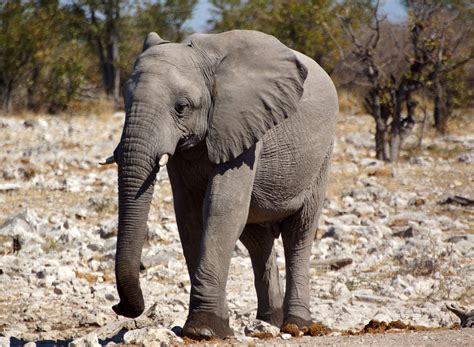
[[274, 317], [205, 325], [129, 311]]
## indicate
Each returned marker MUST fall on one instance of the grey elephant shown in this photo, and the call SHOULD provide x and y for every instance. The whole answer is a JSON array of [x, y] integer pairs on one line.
[[246, 128]]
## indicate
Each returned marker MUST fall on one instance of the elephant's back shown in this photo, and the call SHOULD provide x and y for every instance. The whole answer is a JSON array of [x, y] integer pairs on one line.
[[294, 151], [319, 92]]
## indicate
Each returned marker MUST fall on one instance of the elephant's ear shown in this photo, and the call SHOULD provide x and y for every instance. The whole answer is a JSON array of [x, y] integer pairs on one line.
[[258, 83], [153, 39]]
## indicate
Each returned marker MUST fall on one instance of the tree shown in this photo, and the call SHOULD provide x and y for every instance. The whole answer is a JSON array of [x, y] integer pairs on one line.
[[428, 56], [57, 64], [102, 28], [46, 46], [16, 47], [389, 91], [168, 18], [116, 28], [448, 45], [39, 61]]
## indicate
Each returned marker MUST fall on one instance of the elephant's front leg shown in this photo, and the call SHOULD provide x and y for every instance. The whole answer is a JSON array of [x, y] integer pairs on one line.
[[188, 208], [225, 213]]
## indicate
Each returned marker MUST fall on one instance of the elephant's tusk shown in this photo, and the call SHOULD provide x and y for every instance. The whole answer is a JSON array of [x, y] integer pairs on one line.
[[164, 160], [108, 161]]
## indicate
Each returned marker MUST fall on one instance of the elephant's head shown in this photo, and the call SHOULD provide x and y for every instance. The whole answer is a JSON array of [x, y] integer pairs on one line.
[[224, 90]]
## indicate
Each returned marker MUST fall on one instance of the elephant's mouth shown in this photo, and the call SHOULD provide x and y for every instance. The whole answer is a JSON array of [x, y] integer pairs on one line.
[[188, 141]]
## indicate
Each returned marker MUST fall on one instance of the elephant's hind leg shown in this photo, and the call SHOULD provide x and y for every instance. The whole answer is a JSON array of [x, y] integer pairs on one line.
[[298, 232], [259, 242]]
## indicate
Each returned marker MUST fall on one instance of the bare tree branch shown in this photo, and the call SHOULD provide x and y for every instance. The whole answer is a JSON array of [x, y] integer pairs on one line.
[[331, 36]]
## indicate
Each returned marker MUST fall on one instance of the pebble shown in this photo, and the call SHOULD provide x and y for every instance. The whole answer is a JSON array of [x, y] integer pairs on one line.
[[146, 336], [90, 340], [65, 273], [257, 326], [362, 209], [4, 341]]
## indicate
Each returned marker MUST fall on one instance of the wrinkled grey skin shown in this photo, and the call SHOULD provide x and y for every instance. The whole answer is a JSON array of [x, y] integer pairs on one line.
[[249, 125]]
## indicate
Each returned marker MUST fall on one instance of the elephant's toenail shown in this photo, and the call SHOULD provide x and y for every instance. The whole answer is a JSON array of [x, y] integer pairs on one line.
[[177, 330], [206, 333]]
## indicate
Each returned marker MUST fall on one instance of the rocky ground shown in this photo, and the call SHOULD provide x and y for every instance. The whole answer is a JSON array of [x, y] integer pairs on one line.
[[393, 244]]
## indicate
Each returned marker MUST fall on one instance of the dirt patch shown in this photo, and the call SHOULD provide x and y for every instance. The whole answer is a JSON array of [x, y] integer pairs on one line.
[[212, 341]]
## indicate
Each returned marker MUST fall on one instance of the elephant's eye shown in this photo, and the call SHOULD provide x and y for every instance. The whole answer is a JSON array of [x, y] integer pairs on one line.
[[181, 106]]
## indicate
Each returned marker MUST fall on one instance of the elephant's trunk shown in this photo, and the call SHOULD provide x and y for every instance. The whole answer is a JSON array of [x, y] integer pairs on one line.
[[137, 160], [132, 229]]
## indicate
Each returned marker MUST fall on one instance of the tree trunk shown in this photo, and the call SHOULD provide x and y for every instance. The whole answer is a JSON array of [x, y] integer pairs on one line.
[[111, 69], [439, 111], [374, 107], [423, 125], [107, 40], [408, 123], [112, 51], [115, 58], [107, 76], [7, 97], [395, 138], [32, 103], [381, 152]]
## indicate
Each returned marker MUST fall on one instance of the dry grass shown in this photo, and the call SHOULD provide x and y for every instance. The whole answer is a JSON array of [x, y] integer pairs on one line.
[[338, 183], [462, 123], [102, 107], [348, 103], [24, 114]]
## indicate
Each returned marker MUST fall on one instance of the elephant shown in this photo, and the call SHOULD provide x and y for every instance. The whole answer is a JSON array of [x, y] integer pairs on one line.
[[245, 127]]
